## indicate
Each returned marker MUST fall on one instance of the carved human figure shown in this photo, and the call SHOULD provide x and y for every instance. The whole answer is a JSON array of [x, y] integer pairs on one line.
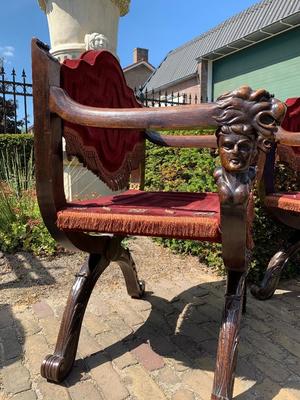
[[96, 41], [247, 122], [234, 179]]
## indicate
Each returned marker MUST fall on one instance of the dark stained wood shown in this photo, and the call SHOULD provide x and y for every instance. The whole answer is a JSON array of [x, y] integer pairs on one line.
[[271, 279], [238, 150], [181, 117], [201, 141], [287, 138], [57, 366], [246, 122]]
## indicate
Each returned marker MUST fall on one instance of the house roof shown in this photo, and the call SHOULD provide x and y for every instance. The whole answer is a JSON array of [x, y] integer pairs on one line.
[[134, 65], [256, 23]]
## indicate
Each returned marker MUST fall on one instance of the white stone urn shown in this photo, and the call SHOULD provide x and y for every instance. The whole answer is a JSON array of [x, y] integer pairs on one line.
[[79, 25]]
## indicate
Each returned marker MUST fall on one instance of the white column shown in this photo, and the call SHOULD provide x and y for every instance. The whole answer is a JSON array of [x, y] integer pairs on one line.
[[76, 26]]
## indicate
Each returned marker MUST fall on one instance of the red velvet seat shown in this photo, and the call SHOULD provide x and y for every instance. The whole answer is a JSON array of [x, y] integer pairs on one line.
[[289, 201], [134, 212]]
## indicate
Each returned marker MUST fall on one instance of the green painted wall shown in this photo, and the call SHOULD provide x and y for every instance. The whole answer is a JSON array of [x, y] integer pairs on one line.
[[273, 64]]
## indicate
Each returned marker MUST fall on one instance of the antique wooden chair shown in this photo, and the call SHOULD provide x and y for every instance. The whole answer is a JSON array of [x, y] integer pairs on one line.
[[283, 206], [88, 102]]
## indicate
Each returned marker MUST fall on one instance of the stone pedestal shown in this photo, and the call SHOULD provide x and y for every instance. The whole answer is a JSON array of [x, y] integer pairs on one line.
[[76, 26]]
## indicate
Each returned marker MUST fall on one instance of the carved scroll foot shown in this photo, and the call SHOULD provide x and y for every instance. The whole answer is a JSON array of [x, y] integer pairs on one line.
[[272, 276], [229, 338], [57, 366], [135, 287]]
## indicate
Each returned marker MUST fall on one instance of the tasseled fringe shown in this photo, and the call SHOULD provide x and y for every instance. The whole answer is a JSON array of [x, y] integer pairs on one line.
[[181, 227], [88, 156], [282, 202]]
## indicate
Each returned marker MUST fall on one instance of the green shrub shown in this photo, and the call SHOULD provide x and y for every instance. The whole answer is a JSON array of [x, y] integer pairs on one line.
[[191, 170], [11, 144], [21, 226]]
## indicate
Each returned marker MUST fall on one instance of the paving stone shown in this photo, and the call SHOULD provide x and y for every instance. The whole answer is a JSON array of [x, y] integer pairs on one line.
[[200, 382], [107, 339], [129, 315], [77, 373], [6, 317], [28, 323], [287, 394], [87, 344], [85, 391], [167, 377], [273, 370], [11, 346], [289, 344], [52, 391], [141, 386], [147, 357], [28, 395], [95, 324], [50, 326], [118, 326], [183, 394], [36, 349], [107, 378], [42, 310], [267, 389], [179, 361], [16, 378], [264, 345], [120, 356]]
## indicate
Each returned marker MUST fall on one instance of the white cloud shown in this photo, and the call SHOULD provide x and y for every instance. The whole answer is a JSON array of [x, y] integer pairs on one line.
[[7, 51]]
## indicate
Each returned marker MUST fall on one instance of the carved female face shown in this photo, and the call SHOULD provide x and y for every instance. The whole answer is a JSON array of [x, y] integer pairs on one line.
[[236, 152]]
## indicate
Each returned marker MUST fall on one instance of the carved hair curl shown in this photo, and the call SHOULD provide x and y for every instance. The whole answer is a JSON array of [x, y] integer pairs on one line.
[[249, 112]]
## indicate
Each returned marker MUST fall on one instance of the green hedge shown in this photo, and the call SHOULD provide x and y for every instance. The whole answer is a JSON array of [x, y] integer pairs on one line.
[[12, 144], [192, 170]]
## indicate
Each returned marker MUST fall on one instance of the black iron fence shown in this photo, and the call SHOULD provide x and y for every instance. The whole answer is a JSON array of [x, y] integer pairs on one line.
[[15, 102], [165, 98]]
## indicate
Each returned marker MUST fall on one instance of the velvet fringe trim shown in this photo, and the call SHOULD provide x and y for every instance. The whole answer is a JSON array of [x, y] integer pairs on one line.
[[88, 156], [283, 202], [199, 228]]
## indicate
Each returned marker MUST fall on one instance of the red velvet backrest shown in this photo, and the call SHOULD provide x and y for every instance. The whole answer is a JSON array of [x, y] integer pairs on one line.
[[289, 154], [97, 80]]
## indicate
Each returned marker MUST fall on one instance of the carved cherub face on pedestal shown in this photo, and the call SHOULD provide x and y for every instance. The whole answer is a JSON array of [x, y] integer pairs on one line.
[[96, 41]]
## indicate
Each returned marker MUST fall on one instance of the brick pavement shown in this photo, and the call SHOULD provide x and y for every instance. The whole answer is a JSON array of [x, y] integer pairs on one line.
[[161, 347]]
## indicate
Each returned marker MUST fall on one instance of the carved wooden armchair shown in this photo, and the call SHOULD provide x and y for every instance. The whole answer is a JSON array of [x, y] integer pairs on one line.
[[283, 206], [88, 102]]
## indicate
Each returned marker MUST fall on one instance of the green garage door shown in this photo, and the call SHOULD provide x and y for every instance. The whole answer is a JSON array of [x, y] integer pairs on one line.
[[273, 64]]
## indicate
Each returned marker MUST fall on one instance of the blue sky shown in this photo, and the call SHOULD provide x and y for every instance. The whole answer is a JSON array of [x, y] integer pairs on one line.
[[159, 25]]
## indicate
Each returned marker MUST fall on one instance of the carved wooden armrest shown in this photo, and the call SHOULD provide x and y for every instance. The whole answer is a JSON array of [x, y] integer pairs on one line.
[[181, 117], [187, 141], [287, 138]]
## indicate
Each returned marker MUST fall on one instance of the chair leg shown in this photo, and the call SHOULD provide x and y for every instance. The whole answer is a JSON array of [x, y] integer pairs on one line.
[[229, 337], [135, 287], [272, 276], [57, 366], [244, 310]]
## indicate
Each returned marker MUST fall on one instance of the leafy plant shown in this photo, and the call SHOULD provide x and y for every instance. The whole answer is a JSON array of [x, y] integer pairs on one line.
[[21, 226], [191, 170]]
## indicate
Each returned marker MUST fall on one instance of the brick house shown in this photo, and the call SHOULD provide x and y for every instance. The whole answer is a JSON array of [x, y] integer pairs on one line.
[[258, 47], [137, 73]]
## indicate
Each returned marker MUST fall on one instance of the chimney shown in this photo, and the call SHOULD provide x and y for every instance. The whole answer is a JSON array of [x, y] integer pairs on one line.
[[140, 55]]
